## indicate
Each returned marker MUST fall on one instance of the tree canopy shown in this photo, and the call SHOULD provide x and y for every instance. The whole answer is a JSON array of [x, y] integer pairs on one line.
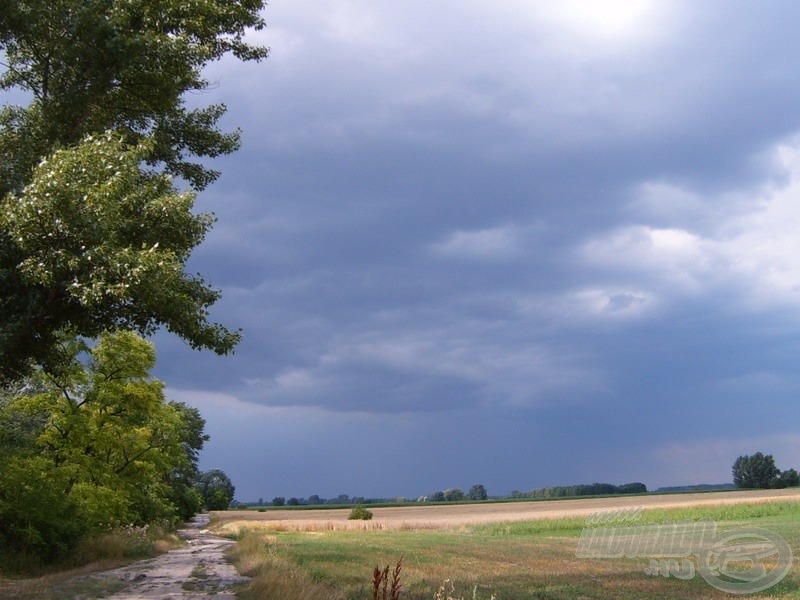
[[759, 471], [478, 492], [94, 235], [95, 65], [754, 471], [99, 447], [99, 244], [216, 489]]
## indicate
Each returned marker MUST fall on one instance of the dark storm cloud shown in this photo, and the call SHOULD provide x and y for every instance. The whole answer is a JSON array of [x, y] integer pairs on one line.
[[564, 232]]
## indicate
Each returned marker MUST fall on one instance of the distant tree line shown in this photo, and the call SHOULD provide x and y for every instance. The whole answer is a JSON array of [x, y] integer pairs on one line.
[[700, 487], [593, 489], [316, 500], [756, 471], [476, 493]]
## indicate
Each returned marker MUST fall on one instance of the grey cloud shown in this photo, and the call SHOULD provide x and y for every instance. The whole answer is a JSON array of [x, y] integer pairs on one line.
[[455, 213]]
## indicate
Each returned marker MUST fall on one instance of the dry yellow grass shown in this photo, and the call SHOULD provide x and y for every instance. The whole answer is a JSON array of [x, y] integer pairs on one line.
[[513, 558], [431, 516]]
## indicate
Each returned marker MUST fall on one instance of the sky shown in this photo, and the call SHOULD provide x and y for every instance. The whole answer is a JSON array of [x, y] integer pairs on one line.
[[518, 243]]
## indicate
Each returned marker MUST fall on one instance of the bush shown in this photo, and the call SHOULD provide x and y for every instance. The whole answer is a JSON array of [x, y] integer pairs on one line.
[[360, 513]]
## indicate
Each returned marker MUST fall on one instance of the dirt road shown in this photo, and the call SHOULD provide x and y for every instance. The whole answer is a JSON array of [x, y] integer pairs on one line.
[[200, 571], [197, 572]]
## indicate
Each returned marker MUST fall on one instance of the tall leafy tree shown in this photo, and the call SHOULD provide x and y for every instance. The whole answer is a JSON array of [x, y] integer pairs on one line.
[[216, 488], [89, 67], [186, 499], [100, 244], [101, 448], [94, 65], [756, 471], [478, 492]]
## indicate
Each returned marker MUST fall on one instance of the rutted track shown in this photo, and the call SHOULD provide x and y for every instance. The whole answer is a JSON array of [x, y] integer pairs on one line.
[[197, 572], [200, 572]]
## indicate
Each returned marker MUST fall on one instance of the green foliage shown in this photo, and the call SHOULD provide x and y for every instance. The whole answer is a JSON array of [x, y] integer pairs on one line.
[[278, 501], [593, 489], [187, 500], [102, 450], [100, 245], [789, 478], [216, 489], [448, 495], [94, 65], [453, 495], [89, 240], [129, 542], [631, 488], [477, 492], [38, 521], [756, 471], [359, 513]]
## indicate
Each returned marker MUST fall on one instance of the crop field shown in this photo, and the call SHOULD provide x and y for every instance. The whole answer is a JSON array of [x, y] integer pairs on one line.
[[508, 551]]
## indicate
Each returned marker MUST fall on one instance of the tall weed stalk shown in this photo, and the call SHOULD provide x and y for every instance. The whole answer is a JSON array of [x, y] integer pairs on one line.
[[381, 590]]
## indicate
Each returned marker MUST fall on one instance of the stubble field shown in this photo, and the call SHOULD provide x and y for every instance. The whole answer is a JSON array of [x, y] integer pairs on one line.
[[436, 516], [508, 551]]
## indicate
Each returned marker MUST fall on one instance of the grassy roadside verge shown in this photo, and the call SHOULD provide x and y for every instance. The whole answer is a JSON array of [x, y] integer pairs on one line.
[[72, 579], [510, 561]]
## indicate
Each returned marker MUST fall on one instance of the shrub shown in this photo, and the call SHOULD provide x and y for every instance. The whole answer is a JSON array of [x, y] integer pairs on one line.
[[360, 513]]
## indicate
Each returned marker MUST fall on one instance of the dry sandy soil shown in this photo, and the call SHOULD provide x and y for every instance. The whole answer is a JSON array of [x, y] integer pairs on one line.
[[432, 516], [197, 572]]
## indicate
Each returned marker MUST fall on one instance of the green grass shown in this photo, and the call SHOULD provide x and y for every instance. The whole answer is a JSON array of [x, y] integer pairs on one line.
[[512, 561]]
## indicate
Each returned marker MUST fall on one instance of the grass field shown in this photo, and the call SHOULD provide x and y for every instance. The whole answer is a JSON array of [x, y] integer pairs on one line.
[[481, 551]]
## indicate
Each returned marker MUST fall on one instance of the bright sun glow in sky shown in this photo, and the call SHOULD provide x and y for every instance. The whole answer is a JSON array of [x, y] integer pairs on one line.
[[602, 18]]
